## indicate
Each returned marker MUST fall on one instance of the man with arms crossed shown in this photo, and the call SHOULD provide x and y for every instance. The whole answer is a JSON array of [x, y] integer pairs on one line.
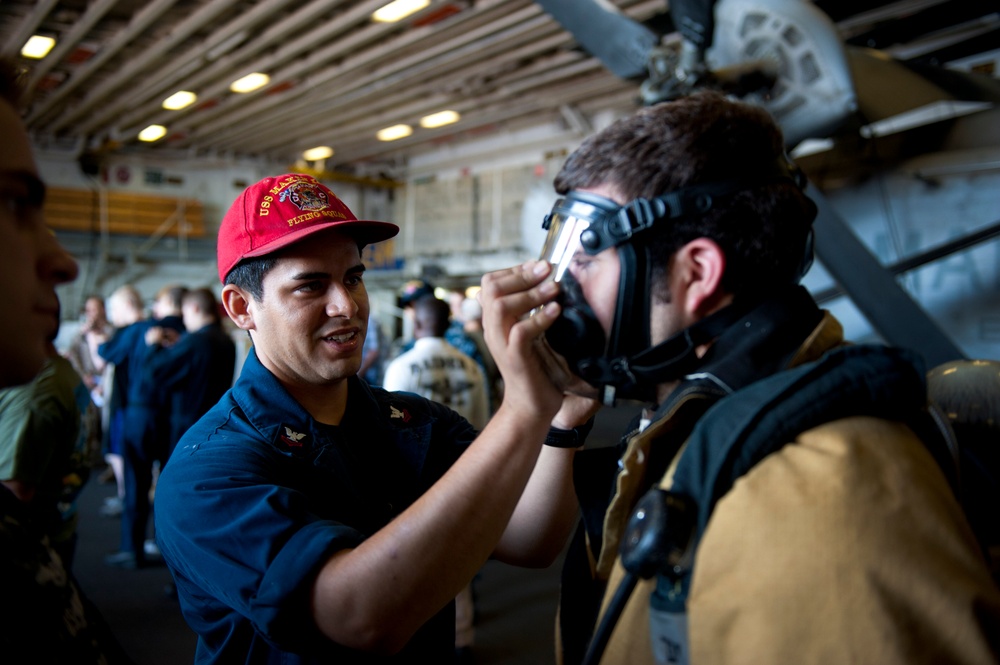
[[313, 518]]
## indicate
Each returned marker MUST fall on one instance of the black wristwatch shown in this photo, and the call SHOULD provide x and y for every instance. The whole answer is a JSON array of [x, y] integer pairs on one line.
[[569, 438]]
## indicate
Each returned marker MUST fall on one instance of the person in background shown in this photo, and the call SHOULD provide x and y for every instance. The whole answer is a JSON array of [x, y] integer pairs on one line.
[[44, 617], [195, 371], [310, 517], [88, 363], [416, 289], [82, 350], [436, 370], [146, 422], [124, 309], [472, 317], [374, 352], [410, 292]]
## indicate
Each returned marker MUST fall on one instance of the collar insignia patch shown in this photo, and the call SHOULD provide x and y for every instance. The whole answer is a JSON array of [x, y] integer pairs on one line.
[[396, 413], [291, 438]]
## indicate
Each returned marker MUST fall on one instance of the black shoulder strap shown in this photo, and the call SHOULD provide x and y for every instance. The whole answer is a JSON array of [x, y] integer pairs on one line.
[[745, 427]]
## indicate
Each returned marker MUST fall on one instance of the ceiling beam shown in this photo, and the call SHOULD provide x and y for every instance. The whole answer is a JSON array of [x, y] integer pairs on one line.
[[150, 57], [68, 42], [166, 77], [141, 21], [28, 26], [322, 85]]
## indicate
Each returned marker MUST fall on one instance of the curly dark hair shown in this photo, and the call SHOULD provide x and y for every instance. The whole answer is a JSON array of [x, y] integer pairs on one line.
[[698, 139]]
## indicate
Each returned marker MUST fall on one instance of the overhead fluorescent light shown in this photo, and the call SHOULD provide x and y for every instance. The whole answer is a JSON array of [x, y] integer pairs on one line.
[[394, 132], [153, 133], [397, 10], [250, 82], [439, 119], [179, 100], [37, 47], [317, 153]]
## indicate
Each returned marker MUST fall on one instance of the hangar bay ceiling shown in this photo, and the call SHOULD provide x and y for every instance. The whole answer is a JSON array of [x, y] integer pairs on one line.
[[336, 76]]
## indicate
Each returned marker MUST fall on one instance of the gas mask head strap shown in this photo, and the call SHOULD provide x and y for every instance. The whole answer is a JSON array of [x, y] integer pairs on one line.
[[617, 225]]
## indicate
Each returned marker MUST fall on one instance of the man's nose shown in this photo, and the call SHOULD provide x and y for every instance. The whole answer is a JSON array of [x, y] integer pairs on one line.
[[341, 302], [55, 263]]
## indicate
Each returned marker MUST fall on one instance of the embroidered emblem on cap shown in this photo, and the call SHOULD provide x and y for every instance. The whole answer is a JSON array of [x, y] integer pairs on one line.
[[305, 195]]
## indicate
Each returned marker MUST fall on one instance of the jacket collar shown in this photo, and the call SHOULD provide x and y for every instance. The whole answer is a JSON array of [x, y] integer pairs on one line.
[[784, 330], [279, 417]]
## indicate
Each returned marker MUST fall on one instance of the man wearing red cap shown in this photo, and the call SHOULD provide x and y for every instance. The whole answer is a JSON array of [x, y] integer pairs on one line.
[[309, 517]]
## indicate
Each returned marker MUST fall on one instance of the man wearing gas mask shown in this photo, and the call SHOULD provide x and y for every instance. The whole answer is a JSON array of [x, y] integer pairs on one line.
[[785, 497]]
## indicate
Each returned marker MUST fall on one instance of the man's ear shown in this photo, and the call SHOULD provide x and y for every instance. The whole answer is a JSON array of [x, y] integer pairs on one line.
[[699, 267], [238, 305]]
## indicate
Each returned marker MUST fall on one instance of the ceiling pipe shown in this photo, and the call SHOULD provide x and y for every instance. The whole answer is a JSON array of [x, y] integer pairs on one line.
[[457, 51], [215, 84], [610, 92], [319, 111], [213, 78], [347, 121], [336, 130]]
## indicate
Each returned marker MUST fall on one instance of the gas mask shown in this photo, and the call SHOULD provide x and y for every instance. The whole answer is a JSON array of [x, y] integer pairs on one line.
[[623, 364]]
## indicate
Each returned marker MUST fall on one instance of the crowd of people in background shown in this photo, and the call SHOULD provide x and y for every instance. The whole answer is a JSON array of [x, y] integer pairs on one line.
[[119, 395]]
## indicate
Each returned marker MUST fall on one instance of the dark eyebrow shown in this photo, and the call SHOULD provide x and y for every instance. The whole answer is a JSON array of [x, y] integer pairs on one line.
[[305, 276], [34, 184]]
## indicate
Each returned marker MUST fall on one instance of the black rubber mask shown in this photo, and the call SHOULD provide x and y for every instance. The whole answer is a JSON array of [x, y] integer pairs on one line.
[[622, 364]]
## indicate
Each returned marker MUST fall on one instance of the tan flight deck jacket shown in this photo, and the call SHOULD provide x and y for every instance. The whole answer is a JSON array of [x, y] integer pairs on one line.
[[847, 547]]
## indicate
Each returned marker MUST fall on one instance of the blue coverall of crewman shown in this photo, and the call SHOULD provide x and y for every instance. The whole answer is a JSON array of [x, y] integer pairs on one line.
[[144, 434], [194, 373]]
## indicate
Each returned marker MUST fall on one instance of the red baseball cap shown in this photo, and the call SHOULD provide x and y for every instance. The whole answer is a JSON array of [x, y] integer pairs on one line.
[[279, 211]]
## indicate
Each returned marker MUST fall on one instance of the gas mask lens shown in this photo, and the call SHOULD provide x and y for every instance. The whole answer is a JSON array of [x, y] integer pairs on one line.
[[577, 223], [576, 335], [563, 239]]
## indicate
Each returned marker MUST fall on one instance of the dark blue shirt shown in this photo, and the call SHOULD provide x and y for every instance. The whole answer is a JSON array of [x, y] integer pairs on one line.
[[258, 495], [128, 350], [194, 374]]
